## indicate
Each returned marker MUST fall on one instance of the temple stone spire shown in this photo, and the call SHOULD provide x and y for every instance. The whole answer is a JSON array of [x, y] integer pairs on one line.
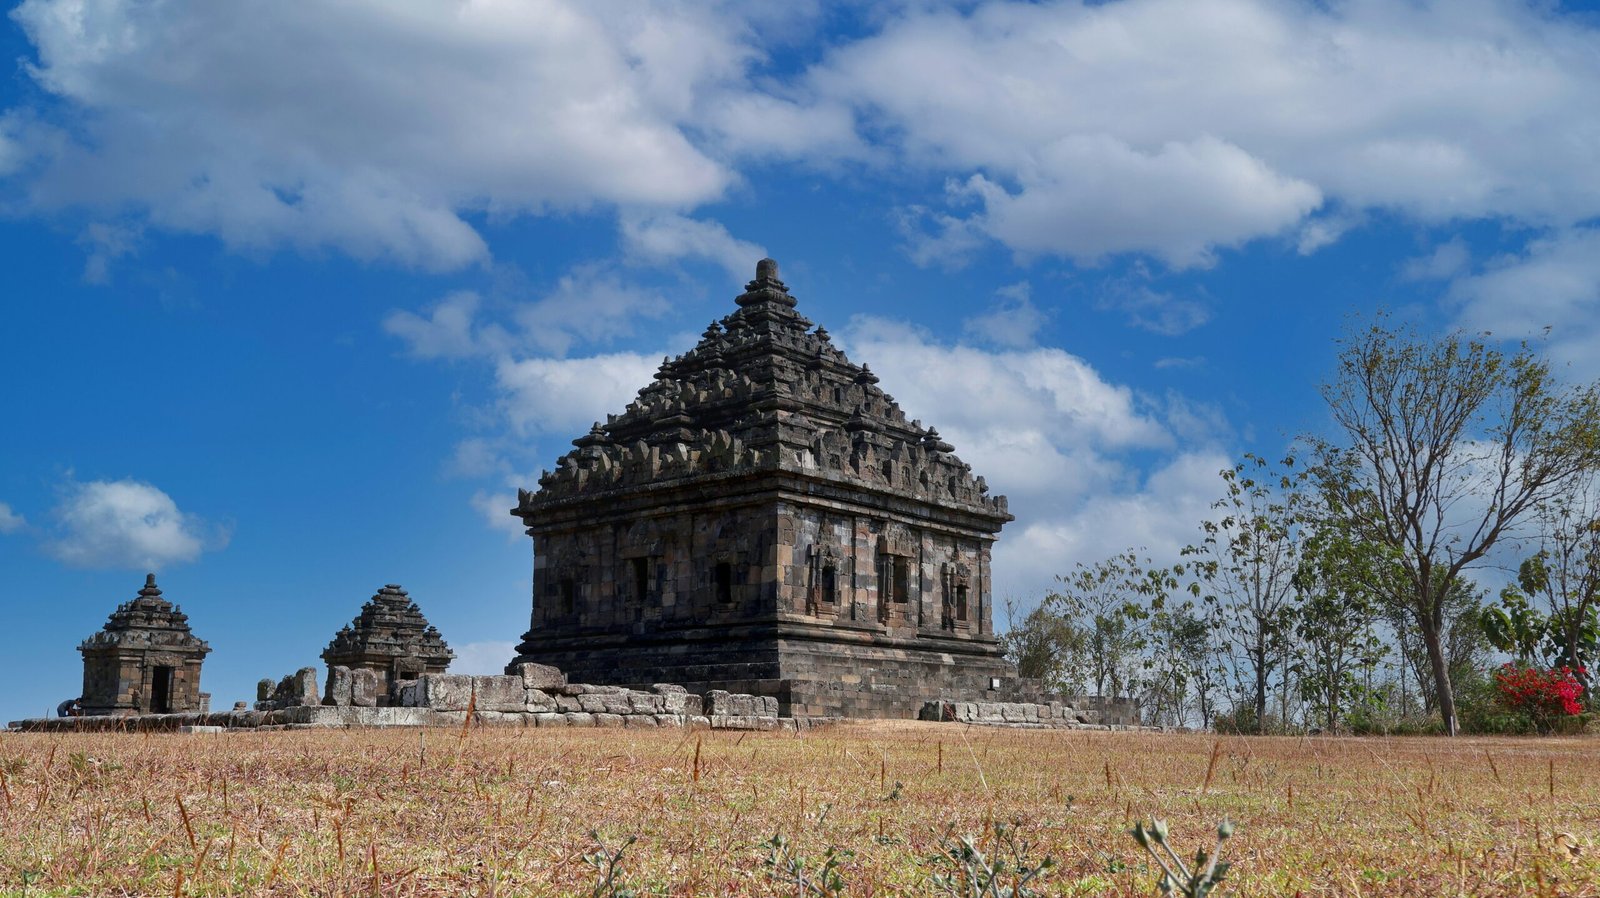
[[145, 660]]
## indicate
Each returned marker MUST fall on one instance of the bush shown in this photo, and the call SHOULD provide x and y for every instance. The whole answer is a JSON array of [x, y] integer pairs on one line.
[[1549, 699]]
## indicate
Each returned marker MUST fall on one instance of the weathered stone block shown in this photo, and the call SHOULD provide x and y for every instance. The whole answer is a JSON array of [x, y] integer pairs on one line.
[[616, 703], [365, 684], [594, 704], [716, 702], [502, 693], [669, 720], [568, 704], [538, 676], [444, 692], [538, 701], [549, 719], [314, 715], [499, 719], [305, 687], [338, 692], [400, 717], [580, 719], [640, 722], [608, 720]]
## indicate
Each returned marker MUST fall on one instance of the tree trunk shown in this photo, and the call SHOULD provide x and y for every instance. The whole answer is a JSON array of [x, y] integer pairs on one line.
[[1261, 697], [1570, 653], [1445, 696]]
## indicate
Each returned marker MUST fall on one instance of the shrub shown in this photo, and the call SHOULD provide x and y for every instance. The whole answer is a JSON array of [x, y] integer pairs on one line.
[[1546, 697]]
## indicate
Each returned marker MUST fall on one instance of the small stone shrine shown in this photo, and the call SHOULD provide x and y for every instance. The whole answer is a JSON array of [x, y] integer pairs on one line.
[[391, 638], [145, 660], [764, 519]]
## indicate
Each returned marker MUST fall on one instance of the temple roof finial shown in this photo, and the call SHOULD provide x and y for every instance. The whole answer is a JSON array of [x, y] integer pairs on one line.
[[766, 288]]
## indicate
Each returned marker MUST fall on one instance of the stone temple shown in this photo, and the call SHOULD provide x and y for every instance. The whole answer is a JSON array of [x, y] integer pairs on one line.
[[145, 660], [391, 638], [764, 519]]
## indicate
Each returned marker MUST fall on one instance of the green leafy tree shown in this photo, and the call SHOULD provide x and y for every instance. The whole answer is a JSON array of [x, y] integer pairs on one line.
[[1447, 444], [1246, 564], [1336, 622], [1110, 602], [1566, 575], [1048, 647], [1180, 664]]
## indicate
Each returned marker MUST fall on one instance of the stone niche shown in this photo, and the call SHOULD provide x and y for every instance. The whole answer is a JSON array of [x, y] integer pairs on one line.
[[764, 519], [388, 644], [144, 661]]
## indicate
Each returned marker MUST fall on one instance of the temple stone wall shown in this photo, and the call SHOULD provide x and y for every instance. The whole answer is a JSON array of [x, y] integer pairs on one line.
[[645, 573], [535, 696], [1086, 713]]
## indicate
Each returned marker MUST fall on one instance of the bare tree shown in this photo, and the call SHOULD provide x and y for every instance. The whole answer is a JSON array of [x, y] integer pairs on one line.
[[1450, 443]]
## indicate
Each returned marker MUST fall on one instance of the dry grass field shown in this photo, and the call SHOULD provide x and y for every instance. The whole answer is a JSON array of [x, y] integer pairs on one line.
[[514, 812]]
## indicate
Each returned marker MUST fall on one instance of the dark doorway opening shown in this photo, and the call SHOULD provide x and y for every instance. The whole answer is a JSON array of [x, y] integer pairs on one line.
[[641, 579], [724, 583], [161, 691]]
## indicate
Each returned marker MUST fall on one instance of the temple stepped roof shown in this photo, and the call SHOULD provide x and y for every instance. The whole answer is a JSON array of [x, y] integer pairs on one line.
[[148, 621], [390, 624], [764, 391]]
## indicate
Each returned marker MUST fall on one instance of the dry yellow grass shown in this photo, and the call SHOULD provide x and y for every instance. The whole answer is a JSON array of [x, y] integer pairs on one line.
[[510, 812]]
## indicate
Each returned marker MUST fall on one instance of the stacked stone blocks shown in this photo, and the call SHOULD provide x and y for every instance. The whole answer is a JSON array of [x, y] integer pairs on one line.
[[1040, 715]]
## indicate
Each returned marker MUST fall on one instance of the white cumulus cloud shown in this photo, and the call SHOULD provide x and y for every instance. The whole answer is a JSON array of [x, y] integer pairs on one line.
[[1178, 127], [565, 396], [372, 127], [127, 524], [1067, 447], [662, 238], [10, 521]]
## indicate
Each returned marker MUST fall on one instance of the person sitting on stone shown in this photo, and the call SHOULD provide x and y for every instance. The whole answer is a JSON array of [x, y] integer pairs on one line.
[[72, 707]]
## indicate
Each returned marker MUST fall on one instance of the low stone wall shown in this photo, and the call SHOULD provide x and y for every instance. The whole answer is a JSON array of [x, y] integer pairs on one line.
[[536, 696], [1043, 715]]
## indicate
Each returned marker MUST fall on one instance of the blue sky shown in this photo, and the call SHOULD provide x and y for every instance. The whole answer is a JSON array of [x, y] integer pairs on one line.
[[296, 295]]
